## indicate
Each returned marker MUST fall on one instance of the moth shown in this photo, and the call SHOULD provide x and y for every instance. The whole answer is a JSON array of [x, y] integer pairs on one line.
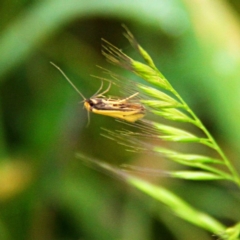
[[116, 108]]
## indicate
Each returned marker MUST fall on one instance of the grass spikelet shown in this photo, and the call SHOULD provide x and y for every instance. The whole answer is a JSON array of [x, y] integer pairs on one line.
[[170, 113], [161, 99]]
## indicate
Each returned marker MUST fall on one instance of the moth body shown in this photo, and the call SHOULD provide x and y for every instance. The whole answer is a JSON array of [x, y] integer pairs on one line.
[[122, 109], [119, 108]]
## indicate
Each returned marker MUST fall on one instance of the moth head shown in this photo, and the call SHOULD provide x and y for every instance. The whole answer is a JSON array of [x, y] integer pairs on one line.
[[88, 104]]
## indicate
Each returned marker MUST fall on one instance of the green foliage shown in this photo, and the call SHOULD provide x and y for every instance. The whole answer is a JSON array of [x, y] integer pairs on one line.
[[48, 193], [171, 112]]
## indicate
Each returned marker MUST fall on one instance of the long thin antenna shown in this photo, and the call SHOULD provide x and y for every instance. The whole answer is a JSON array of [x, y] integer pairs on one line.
[[61, 71]]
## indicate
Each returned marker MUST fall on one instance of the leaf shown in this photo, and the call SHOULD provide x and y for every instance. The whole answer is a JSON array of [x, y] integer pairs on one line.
[[195, 175], [193, 158], [173, 114], [177, 205], [175, 134], [195, 161], [159, 104], [153, 92], [232, 233]]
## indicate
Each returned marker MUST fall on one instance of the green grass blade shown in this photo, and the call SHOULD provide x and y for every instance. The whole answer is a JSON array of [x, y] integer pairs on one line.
[[194, 158], [178, 206]]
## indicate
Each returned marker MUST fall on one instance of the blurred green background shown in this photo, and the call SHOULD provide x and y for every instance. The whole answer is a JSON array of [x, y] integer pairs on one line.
[[45, 191]]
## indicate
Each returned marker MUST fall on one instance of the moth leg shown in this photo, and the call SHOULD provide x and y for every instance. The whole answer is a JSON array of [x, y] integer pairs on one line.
[[96, 94], [101, 94], [125, 99]]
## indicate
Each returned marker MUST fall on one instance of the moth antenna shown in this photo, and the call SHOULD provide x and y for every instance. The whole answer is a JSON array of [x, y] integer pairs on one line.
[[65, 76]]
